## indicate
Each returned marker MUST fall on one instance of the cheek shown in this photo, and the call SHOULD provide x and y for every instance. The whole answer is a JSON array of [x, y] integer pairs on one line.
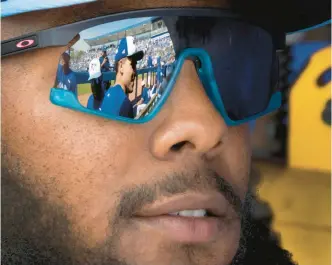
[[129, 70], [68, 156], [234, 159]]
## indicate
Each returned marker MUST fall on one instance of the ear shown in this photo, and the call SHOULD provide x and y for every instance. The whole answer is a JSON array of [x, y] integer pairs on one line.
[[121, 66]]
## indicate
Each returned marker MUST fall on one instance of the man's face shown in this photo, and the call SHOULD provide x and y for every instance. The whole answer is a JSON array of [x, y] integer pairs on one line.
[[65, 58], [79, 189], [128, 73]]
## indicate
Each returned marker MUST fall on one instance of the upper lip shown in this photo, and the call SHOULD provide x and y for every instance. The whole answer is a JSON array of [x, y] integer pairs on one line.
[[215, 204]]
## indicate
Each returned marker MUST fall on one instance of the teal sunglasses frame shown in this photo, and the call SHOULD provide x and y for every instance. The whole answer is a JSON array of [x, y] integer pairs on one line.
[[68, 100]]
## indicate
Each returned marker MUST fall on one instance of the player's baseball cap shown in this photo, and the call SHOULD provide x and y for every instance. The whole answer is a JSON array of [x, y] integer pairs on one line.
[[94, 69], [127, 48]]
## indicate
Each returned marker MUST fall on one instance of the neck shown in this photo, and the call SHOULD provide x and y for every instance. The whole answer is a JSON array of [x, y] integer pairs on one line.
[[119, 81], [121, 84], [66, 69]]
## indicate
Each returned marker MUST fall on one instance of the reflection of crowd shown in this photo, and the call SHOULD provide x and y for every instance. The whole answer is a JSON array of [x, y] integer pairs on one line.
[[161, 47], [82, 64]]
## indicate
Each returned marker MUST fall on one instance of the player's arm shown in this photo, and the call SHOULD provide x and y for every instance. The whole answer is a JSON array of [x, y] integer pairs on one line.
[[139, 102], [74, 84]]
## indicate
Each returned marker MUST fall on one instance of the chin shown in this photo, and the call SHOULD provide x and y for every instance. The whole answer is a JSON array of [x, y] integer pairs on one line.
[[152, 247]]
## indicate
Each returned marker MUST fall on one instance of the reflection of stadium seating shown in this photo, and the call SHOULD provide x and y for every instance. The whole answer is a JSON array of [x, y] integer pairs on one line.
[[152, 47], [162, 47]]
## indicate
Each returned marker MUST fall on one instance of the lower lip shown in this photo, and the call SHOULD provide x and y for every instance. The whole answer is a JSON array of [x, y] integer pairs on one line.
[[186, 229]]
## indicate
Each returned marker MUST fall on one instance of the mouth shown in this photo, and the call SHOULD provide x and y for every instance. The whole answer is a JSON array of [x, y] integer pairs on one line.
[[194, 218]]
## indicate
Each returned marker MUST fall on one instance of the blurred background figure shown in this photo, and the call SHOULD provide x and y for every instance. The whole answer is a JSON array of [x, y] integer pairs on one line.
[[105, 67], [66, 78]]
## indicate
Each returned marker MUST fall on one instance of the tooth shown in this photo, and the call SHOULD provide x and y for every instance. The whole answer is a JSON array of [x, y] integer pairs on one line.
[[186, 213], [199, 213], [193, 213]]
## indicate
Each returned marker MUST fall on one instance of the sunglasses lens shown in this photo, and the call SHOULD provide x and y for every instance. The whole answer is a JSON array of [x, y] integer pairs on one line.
[[244, 70], [118, 68], [122, 68]]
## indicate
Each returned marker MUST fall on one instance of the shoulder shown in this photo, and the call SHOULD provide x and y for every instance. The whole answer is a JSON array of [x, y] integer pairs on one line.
[[72, 75], [114, 91]]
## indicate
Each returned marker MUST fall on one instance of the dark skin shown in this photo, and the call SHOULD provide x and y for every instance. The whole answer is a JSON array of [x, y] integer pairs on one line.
[[105, 58], [65, 193], [65, 58]]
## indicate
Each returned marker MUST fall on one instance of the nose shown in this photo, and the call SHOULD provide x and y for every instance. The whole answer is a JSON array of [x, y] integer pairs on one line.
[[189, 120]]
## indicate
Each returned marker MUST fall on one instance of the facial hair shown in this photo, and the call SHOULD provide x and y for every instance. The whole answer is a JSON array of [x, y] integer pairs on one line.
[[37, 232]]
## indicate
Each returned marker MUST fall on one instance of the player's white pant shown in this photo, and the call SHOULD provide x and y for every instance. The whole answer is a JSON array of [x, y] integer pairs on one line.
[[149, 79], [140, 108]]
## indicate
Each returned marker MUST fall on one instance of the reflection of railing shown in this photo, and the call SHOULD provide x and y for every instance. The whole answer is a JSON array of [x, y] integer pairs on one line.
[[148, 107]]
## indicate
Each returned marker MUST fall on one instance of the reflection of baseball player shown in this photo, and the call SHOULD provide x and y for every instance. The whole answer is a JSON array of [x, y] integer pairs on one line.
[[65, 77], [104, 67], [116, 101]]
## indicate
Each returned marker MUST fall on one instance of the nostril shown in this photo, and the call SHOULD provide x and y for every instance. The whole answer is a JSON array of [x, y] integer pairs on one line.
[[178, 146], [217, 145]]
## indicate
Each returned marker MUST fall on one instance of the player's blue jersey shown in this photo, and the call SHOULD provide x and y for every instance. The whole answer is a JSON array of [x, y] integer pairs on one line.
[[93, 103], [117, 103]]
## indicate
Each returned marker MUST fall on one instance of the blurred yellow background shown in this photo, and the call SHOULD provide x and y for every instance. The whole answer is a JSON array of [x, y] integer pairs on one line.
[[301, 204], [309, 137], [292, 152]]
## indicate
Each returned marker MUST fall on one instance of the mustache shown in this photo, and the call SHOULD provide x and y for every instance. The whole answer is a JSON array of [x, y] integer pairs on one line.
[[136, 197]]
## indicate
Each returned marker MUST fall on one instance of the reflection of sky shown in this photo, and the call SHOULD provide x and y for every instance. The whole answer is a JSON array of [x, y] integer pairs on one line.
[[111, 27]]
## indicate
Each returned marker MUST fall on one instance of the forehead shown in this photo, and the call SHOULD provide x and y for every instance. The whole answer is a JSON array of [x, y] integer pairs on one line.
[[65, 56], [129, 61], [39, 20]]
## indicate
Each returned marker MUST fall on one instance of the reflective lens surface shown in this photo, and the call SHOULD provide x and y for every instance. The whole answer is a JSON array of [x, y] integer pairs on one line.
[[122, 68]]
